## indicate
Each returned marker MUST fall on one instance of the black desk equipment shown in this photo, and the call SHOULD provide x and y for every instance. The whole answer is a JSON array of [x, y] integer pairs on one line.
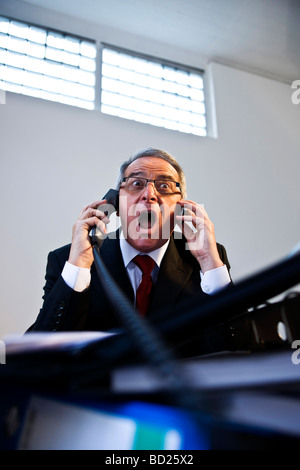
[[234, 385]]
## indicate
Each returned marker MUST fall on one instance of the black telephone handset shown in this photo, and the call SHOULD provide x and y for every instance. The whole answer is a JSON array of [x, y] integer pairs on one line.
[[112, 198]]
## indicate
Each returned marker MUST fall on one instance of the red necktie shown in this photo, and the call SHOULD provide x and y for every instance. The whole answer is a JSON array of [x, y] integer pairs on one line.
[[143, 293]]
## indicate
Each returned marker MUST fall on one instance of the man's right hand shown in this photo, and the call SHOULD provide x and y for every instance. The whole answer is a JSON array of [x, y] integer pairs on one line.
[[81, 253]]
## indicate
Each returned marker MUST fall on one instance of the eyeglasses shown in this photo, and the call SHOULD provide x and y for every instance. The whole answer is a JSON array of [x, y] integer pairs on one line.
[[135, 184]]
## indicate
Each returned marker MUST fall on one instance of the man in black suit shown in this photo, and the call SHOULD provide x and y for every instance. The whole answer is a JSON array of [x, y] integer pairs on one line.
[[151, 188]]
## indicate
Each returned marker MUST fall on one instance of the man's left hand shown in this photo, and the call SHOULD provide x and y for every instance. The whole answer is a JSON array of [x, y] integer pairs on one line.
[[199, 232]]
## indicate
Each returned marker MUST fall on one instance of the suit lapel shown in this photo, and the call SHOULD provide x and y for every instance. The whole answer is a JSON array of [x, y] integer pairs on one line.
[[113, 260], [173, 275]]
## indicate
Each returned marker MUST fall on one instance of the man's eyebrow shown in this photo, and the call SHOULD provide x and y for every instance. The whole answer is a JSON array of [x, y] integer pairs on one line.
[[136, 173], [143, 174]]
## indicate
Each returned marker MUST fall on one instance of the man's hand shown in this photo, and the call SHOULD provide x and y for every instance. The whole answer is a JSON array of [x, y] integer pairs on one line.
[[200, 234], [81, 253]]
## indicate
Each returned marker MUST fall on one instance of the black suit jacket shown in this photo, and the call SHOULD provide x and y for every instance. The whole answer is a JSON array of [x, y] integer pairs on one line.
[[66, 310]]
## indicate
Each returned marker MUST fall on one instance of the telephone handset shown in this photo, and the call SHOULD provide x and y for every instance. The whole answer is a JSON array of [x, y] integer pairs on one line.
[[112, 198]]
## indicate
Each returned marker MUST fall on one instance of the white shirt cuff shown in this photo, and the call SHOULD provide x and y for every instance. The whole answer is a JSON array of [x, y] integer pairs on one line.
[[214, 279], [77, 278]]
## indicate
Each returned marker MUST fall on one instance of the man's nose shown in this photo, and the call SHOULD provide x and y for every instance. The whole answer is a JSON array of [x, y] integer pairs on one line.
[[149, 192]]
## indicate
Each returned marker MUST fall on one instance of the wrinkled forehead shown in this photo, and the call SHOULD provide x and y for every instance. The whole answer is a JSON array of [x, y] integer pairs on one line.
[[151, 167]]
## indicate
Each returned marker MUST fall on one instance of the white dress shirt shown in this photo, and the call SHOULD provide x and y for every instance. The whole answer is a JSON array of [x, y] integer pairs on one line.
[[133, 271], [79, 278]]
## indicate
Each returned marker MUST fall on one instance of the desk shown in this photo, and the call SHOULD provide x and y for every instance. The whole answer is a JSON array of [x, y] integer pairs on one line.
[[233, 401]]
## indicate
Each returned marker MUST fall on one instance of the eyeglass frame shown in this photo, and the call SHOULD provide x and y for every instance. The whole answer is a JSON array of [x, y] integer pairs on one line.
[[147, 180]]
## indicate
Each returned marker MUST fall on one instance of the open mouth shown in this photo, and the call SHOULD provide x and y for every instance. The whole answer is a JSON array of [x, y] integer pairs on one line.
[[147, 219]]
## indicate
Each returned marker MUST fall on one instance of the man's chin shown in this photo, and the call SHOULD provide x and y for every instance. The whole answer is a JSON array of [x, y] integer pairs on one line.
[[146, 244]]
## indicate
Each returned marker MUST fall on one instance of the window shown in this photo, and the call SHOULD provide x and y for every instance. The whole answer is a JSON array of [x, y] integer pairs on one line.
[[61, 67], [149, 91], [47, 64]]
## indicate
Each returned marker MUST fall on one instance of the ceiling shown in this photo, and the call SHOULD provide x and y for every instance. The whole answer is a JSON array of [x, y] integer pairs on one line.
[[262, 36]]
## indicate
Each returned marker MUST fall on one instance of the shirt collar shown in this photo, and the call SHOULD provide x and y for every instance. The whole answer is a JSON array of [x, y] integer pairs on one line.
[[129, 252]]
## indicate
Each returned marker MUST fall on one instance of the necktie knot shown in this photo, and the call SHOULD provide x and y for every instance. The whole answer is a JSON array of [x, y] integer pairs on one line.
[[144, 291], [145, 263]]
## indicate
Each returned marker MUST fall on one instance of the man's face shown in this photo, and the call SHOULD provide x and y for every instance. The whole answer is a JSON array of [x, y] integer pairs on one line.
[[147, 216]]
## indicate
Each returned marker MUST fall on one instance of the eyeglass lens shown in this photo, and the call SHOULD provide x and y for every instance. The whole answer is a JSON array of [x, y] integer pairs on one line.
[[135, 184]]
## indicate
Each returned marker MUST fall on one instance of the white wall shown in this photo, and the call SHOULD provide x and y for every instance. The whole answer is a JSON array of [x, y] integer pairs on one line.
[[56, 158]]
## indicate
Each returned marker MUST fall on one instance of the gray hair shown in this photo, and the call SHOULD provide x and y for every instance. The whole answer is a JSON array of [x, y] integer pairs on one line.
[[152, 152]]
